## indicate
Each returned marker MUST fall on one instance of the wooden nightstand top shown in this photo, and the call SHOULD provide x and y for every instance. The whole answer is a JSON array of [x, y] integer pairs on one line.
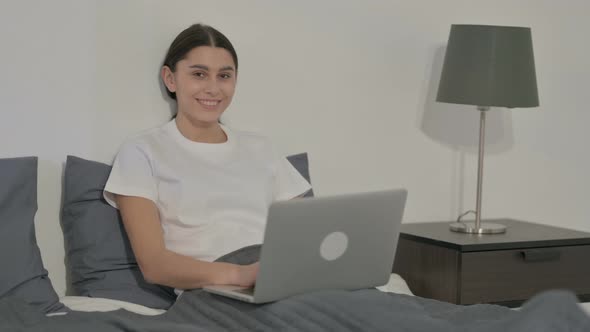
[[520, 234]]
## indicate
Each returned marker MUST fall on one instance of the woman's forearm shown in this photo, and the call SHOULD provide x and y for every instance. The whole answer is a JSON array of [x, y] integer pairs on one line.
[[174, 270]]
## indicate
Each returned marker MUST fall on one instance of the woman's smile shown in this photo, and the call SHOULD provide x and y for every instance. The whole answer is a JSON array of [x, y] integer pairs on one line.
[[210, 104]]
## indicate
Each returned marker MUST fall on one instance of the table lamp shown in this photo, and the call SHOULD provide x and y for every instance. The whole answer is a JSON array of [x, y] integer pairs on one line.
[[487, 66]]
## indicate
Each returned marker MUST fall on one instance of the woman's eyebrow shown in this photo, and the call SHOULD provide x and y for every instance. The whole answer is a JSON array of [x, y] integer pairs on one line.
[[199, 67], [207, 68]]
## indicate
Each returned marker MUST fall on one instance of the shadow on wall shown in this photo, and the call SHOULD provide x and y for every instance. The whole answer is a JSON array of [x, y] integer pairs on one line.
[[457, 128]]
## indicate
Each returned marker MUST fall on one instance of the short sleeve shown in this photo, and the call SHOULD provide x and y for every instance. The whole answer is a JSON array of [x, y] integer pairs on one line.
[[288, 182], [131, 175]]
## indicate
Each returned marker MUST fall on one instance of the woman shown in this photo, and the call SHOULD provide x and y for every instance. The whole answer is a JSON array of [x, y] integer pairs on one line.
[[193, 189]]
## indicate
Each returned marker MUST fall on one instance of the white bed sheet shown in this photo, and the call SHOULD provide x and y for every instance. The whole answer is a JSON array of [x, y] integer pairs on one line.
[[90, 304], [586, 307]]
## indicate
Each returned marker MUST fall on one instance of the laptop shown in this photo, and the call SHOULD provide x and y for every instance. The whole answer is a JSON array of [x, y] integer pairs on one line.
[[339, 242]]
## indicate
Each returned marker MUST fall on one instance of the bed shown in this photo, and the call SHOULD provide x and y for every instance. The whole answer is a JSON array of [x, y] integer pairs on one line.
[[111, 294], [330, 310]]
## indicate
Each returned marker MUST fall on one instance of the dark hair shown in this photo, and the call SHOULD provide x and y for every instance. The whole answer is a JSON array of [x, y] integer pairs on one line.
[[194, 36]]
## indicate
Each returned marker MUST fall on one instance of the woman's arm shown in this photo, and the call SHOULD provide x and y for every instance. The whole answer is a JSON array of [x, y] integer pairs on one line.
[[162, 266]]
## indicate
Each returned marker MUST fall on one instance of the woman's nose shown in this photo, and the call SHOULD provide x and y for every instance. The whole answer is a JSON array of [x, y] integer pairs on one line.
[[212, 87]]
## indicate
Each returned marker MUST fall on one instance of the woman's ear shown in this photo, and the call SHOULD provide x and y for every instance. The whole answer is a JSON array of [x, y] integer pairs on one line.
[[168, 78]]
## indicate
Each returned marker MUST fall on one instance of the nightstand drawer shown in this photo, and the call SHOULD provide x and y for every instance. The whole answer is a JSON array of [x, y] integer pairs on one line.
[[512, 275]]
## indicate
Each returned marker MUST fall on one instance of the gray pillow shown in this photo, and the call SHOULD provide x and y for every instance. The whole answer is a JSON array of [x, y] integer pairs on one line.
[[22, 273], [98, 253], [301, 163], [99, 258]]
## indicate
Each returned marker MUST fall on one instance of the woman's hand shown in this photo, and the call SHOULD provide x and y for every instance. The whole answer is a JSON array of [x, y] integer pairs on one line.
[[246, 275]]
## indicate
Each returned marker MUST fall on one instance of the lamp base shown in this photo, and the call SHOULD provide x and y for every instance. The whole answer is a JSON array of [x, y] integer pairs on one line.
[[484, 228]]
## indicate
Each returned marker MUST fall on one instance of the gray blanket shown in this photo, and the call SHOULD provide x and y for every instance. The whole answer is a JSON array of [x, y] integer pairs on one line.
[[330, 310]]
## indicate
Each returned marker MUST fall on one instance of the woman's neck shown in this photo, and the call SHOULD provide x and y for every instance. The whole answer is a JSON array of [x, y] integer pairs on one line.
[[202, 132]]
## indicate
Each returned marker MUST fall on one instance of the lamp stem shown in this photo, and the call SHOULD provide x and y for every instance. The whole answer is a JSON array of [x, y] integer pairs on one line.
[[477, 227], [482, 133]]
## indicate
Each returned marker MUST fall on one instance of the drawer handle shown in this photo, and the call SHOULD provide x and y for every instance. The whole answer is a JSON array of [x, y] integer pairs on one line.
[[540, 255]]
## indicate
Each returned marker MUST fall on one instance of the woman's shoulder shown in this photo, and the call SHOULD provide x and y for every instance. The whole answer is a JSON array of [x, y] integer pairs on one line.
[[251, 138], [246, 135], [257, 144]]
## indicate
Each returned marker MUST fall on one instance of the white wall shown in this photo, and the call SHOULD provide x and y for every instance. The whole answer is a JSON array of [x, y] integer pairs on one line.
[[352, 83]]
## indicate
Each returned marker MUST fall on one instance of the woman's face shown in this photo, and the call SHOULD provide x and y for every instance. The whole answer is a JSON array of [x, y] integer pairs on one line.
[[204, 82]]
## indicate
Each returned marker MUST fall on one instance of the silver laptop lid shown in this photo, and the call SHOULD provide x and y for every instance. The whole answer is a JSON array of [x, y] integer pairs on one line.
[[339, 242]]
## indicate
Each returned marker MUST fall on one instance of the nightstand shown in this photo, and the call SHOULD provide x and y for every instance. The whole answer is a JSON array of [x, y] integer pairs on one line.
[[505, 269]]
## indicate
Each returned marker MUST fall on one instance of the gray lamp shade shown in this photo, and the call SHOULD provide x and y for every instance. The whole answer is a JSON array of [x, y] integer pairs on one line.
[[489, 66]]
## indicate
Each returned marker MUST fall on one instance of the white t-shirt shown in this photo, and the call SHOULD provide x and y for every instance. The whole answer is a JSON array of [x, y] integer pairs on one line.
[[212, 198]]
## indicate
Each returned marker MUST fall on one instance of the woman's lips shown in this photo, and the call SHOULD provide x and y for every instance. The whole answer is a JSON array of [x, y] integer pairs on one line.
[[210, 104]]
